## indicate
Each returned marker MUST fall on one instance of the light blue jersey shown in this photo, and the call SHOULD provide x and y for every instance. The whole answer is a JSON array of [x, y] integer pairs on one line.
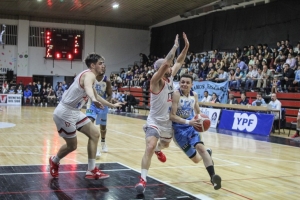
[[100, 115]]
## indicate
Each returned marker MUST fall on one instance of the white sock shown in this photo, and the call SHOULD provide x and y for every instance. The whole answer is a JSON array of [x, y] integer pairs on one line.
[[55, 159], [157, 148], [91, 164], [144, 174]]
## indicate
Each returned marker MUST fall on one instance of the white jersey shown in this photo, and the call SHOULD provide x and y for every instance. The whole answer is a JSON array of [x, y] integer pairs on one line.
[[160, 106], [75, 96]]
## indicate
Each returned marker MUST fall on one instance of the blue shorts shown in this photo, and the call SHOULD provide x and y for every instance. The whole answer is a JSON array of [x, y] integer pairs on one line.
[[187, 138], [100, 115]]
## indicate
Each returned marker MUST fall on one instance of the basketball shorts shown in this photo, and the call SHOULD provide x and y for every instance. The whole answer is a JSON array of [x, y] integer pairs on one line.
[[68, 120], [187, 138], [152, 130], [100, 115]]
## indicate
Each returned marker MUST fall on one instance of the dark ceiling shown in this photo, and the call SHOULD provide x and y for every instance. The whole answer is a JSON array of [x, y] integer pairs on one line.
[[142, 13]]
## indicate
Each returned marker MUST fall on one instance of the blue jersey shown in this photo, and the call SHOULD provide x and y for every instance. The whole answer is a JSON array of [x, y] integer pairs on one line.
[[185, 109]]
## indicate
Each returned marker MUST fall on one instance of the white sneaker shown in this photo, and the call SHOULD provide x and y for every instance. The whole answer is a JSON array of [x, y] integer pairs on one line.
[[98, 154], [104, 147]]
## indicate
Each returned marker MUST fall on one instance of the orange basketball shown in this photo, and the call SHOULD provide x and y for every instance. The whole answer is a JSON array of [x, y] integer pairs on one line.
[[205, 125]]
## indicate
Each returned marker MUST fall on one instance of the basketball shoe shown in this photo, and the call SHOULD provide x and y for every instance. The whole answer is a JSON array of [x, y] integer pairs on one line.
[[216, 181], [104, 147], [95, 174], [161, 156], [53, 168], [141, 186], [295, 135], [209, 151]]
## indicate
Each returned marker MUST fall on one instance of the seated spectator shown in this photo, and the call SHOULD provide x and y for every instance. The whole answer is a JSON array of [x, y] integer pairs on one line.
[[231, 100], [27, 95], [223, 76], [5, 87], [296, 82], [20, 90], [287, 78], [115, 96], [195, 77], [236, 83], [206, 97], [11, 90], [44, 96], [244, 100], [51, 97], [276, 87], [265, 78], [291, 61], [59, 94], [276, 105], [212, 75], [214, 98], [129, 101], [250, 78], [242, 65], [36, 99], [259, 100], [64, 86]]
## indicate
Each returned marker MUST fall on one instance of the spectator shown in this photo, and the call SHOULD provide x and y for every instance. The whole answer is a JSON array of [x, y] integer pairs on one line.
[[212, 75], [291, 61], [195, 77], [276, 85], [296, 82], [59, 94], [276, 105], [19, 90], [27, 95], [223, 76], [11, 90], [64, 86], [214, 98], [44, 96], [265, 77], [244, 100], [36, 96], [259, 100], [287, 78], [242, 65], [206, 97], [144, 58], [231, 100], [115, 96], [51, 96], [5, 87], [129, 100]]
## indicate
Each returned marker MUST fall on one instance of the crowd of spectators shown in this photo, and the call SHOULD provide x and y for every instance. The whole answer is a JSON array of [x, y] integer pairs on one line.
[[36, 93], [252, 68]]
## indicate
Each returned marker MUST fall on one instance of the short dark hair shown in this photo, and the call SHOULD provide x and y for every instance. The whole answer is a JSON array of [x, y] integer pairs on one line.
[[92, 58], [186, 76], [206, 91]]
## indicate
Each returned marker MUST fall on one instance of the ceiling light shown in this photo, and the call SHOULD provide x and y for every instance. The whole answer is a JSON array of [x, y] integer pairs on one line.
[[115, 5]]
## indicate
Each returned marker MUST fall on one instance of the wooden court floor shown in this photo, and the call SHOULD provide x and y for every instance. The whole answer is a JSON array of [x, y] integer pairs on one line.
[[250, 169]]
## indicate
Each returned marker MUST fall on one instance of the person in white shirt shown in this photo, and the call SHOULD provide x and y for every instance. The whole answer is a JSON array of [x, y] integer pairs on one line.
[[115, 96], [276, 105], [206, 97]]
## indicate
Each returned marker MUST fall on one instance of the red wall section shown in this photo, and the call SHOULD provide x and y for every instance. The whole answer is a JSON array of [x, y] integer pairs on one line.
[[24, 79]]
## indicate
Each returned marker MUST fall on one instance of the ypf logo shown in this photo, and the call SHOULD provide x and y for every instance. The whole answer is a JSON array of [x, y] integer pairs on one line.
[[243, 121]]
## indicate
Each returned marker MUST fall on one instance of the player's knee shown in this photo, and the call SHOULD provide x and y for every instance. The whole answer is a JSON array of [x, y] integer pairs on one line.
[[200, 148], [150, 147]]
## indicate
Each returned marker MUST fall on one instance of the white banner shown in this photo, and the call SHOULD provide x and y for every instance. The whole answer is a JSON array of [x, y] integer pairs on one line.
[[213, 115], [11, 99]]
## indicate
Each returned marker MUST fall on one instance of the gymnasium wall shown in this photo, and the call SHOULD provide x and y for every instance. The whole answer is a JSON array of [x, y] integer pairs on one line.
[[119, 46]]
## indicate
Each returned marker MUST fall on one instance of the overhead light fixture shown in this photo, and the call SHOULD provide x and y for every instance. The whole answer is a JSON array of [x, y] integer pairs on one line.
[[115, 5]]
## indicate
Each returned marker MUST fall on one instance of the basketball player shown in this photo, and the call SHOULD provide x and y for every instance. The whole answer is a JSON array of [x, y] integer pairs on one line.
[[158, 128], [1, 34], [68, 118], [184, 105], [103, 88]]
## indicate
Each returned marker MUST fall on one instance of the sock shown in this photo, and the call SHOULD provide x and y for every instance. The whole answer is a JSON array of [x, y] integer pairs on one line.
[[211, 171], [91, 164], [102, 139], [157, 148], [144, 174], [55, 159]]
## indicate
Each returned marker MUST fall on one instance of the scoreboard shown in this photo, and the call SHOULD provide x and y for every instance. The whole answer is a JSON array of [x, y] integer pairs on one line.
[[62, 45]]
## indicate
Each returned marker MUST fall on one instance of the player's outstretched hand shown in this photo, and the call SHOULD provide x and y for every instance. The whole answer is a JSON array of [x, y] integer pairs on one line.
[[176, 43], [98, 104], [186, 41], [117, 105]]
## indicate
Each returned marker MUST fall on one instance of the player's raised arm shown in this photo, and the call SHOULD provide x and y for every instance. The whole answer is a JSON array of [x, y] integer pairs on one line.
[[163, 64], [181, 57]]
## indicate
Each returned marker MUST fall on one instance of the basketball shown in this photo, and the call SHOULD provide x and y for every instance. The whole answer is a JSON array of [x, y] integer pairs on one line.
[[206, 123]]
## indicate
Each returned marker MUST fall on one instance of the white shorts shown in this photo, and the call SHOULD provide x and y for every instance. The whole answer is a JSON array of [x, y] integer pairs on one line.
[[159, 133], [68, 120]]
